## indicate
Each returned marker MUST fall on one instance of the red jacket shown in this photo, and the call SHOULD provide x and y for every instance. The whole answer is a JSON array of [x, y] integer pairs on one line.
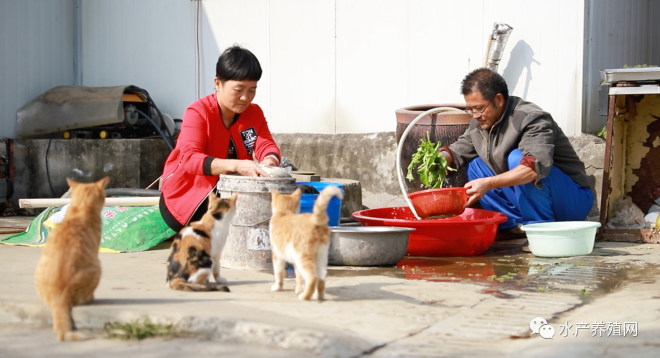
[[187, 178]]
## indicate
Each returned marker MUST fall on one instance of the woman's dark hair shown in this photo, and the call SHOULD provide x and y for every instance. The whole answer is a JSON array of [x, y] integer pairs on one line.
[[487, 81], [238, 64]]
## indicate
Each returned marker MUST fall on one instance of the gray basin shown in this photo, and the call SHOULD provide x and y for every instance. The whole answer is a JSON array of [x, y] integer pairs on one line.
[[367, 245]]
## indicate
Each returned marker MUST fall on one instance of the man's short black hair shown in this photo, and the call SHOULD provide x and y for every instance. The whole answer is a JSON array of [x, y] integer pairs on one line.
[[487, 81], [238, 64]]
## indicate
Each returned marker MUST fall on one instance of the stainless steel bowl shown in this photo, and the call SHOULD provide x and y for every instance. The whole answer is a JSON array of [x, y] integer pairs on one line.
[[367, 245]]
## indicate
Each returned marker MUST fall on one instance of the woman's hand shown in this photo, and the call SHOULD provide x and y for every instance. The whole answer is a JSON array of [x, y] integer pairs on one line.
[[245, 167], [269, 161], [249, 168]]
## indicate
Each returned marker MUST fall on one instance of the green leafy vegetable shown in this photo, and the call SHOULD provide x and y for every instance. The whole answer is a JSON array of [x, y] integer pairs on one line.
[[431, 166]]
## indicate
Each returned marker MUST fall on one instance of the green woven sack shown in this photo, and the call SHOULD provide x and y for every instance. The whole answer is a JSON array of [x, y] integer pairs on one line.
[[124, 229]]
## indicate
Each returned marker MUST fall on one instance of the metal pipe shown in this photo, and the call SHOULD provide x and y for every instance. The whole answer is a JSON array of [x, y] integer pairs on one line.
[[496, 43]]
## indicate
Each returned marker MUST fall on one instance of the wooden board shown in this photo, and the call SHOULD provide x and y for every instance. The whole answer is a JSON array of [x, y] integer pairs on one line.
[[119, 201]]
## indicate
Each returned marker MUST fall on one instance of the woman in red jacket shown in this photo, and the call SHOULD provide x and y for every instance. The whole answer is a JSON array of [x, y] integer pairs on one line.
[[221, 133]]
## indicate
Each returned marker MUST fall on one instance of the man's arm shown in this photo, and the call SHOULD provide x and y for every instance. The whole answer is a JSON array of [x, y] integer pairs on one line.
[[476, 189]]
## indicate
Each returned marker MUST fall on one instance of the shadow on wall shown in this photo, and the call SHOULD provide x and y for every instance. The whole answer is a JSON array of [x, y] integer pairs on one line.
[[521, 59]]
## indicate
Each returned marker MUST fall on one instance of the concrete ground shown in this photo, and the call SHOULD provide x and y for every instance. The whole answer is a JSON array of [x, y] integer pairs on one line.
[[606, 304]]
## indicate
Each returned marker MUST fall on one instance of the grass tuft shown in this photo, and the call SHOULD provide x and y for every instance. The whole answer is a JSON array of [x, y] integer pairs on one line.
[[139, 330]]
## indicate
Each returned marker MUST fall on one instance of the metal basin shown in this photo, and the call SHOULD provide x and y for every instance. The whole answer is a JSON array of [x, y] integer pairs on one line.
[[367, 245]]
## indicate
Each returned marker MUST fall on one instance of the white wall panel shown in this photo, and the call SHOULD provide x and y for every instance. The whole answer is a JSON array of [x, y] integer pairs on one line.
[[36, 53], [619, 33], [330, 66], [542, 62], [245, 23], [370, 61], [147, 43], [302, 66]]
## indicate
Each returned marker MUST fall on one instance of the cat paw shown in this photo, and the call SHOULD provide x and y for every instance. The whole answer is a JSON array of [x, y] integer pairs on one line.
[[75, 336], [276, 287], [302, 297], [221, 288], [220, 279]]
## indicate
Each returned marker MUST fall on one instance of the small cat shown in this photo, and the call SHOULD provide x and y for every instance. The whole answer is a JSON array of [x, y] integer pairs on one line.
[[69, 269], [301, 239], [195, 251]]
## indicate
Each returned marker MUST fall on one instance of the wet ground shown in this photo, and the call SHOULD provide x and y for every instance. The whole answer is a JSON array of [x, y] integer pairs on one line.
[[504, 267]]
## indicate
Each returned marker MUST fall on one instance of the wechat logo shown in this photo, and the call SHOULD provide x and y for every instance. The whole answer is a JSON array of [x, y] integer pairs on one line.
[[540, 326]]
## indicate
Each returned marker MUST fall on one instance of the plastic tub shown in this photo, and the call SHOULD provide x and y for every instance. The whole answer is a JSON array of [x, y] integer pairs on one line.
[[561, 238], [334, 206], [468, 234]]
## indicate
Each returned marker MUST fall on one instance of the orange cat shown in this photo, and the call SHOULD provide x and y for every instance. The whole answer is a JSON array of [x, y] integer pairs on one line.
[[195, 251], [301, 239], [69, 269]]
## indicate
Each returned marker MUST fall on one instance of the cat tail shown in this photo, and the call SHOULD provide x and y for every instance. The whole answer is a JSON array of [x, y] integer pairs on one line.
[[63, 324], [320, 216], [182, 285]]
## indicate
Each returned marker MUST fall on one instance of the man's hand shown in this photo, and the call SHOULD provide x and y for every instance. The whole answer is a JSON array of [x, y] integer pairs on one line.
[[519, 175], [476, 189]]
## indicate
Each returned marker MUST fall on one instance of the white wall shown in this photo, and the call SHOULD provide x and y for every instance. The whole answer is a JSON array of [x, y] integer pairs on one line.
[[36, 53], [331, 66], [345, 66], [341, 66], [146, 43], [620, 33]]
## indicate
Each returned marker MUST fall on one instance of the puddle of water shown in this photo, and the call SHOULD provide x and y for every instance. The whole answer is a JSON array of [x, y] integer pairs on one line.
[[505, 267]]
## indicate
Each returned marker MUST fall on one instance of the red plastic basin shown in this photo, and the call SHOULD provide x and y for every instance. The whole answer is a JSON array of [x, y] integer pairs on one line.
[[468, 234], [441, 201]]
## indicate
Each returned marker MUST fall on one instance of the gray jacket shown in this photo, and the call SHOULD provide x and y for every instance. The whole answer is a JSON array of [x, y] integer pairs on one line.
[[527, 127]]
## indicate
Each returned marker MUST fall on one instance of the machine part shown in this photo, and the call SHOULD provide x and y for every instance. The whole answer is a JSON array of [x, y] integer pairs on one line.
[[496, 43], [168, 122], [123, 111], [131, 115], [6, 187]]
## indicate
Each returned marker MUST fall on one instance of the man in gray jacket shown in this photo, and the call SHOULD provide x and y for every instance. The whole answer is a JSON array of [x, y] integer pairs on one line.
[[519, 162]]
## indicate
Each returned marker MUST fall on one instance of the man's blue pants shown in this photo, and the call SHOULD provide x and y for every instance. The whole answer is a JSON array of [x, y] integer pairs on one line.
[[558, 199]]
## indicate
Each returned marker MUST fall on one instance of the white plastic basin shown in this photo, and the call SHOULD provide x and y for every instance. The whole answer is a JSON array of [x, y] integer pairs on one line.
[[561, 238]]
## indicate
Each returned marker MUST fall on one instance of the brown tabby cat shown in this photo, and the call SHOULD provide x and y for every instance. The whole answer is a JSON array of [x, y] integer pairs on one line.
[[195, 251], [301, 239], [69, 269]]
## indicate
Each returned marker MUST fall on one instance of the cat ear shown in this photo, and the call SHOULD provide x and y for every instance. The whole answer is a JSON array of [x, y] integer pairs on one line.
[[71, 182], [103, 182], [233, 199]]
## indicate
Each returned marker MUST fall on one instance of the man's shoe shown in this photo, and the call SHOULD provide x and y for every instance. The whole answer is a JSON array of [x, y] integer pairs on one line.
[[525, 247], [510, 234]]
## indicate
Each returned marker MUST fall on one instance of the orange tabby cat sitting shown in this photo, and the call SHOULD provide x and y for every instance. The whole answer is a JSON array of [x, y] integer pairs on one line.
[[69, 269], [301, 239]]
